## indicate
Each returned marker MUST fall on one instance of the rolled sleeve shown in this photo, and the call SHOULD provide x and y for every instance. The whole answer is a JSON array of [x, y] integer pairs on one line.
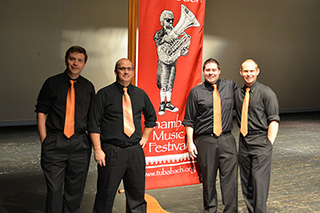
[[273, 118], [96, 112], [149, 113], [271, 106], [191, 110], [43, 104]]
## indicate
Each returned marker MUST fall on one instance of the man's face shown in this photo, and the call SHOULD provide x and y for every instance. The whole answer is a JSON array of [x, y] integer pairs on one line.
[[249, 72], [124, 72], [168, 24], [75, 64], [211, 72]]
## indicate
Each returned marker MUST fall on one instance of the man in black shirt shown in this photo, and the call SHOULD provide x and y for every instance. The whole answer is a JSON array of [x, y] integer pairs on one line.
[[255, 143], [65, 159], [118, 155], [213, 151]]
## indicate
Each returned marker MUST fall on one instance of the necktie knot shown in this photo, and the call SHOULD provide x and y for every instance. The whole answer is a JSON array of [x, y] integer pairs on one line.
[[248, 89], [125, 89], [214, 86]]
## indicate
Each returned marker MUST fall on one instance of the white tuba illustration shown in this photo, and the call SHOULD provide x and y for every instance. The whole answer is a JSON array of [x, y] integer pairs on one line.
[[169, 53]]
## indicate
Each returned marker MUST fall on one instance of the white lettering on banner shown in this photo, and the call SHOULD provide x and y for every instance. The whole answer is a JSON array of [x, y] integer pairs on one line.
[[170, 171], [192, 1], [169, 147], [169, 124], [165, 136]]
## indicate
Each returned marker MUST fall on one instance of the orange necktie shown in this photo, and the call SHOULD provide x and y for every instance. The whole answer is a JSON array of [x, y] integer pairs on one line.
[[70, 108], [128, 125], [244, 114], [217, 126]]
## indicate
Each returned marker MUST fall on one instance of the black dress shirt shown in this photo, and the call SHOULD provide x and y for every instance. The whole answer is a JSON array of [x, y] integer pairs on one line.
[[52, 101], [263, 107], [199, 108], [106, 116]]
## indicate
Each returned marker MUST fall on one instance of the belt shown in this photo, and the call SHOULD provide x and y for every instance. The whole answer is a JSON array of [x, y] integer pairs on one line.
[[213, 135], [257, 132], [61, 133], [123, 145]]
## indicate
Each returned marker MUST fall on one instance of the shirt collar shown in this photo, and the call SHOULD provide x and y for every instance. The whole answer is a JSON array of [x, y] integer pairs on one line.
[[66, 77], [120, 87], [252, 87], [209, 85]]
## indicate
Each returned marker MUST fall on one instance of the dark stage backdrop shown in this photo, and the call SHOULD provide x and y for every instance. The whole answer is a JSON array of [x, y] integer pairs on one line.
[[282, 36]]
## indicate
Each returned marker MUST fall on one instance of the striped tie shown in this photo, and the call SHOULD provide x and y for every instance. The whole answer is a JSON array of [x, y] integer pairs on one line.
[[128, 125]]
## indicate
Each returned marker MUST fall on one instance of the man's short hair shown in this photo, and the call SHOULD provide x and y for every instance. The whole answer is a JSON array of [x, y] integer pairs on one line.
[[166, 14], [210, 60], [249, 60], [77, 49]]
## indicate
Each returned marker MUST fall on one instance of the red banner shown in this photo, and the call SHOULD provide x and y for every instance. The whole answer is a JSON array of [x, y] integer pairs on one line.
[[169, 65]]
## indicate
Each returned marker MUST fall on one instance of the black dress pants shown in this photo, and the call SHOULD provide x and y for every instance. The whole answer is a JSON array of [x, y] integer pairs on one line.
[[213, 154], [121, 163], [65, 163], [255, 166]]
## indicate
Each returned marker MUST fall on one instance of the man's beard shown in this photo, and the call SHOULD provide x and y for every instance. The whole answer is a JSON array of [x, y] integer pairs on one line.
[[168, 28]]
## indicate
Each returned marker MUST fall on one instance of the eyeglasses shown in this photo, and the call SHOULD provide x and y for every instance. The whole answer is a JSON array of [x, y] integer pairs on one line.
[[125, 68], [169, 20]]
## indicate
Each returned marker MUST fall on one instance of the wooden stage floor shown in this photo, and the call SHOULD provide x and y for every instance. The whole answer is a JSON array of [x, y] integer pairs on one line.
[[295, 176]]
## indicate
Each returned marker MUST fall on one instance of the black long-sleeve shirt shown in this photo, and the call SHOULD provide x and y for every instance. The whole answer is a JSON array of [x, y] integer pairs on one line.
[[199, 108], [52, 101], [263, 106], [106, 116]]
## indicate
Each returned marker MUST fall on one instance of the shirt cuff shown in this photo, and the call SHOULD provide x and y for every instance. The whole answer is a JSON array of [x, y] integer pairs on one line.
[[188, 123], [273, 118]]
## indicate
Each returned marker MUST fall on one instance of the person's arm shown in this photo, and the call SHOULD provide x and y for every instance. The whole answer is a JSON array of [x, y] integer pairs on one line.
[[272, 111], [145, 136], [99, 155], [191, 146], [41, 123], [273, 131], [149, 122]]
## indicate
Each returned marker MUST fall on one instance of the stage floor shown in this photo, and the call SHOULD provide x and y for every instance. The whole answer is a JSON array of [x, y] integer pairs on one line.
[[295, 176]]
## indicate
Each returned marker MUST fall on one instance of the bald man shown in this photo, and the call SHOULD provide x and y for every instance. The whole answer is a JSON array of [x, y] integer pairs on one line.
[[119, 154], [255, 146]]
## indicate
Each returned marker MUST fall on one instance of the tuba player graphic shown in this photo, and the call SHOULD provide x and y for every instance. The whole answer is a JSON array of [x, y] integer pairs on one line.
[[172, 42]]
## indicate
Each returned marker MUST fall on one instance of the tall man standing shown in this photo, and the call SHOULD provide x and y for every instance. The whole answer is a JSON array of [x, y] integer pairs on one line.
[[118, 139], [62, 107], [257, 112], [210, 121]]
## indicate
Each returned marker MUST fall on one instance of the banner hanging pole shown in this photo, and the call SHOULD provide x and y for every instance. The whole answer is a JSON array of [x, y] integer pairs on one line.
[[132, 34]]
